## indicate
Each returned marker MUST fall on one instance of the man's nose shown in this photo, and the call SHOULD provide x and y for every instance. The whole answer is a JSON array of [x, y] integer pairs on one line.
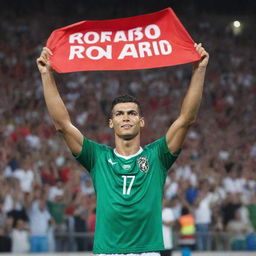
[[126, 117]]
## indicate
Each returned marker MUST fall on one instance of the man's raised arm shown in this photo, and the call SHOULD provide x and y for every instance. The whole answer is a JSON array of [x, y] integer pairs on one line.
[[55, 105], [191, 103]]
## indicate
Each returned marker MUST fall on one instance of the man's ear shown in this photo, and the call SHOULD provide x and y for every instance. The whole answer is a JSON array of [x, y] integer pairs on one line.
[[110, 123], [142, 122]]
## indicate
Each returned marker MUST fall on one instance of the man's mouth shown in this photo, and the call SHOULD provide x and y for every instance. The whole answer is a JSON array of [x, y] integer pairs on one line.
[[126, 126]]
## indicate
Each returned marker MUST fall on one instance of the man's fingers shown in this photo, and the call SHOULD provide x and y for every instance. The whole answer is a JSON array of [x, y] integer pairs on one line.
[[201, 50], [38, 60], [44, 54], [198, 46], [204, 56], [47, 50], [41, 61], [203, 53], [44, 58]]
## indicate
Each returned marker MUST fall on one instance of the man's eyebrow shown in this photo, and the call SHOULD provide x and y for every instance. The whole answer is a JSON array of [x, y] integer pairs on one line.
[[128, 111]]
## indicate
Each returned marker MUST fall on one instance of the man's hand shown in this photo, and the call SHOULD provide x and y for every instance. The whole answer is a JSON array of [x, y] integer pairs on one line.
[[43, 62], [202, 63]]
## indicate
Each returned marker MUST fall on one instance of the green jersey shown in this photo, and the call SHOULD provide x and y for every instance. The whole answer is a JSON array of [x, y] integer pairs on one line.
[[129, 194]]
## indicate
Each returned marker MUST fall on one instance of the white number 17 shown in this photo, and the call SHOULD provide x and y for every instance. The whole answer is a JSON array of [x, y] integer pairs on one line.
[[125, 190]]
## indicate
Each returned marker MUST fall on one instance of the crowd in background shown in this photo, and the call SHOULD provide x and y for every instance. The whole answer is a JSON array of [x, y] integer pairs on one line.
[[46, 196]]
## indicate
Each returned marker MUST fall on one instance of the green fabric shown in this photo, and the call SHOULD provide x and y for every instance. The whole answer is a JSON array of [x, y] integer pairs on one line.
[[57, 211], [129, 196], [252, 214]]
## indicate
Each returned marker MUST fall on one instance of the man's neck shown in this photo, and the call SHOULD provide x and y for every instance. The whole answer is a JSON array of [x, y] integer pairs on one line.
[[127, 147]]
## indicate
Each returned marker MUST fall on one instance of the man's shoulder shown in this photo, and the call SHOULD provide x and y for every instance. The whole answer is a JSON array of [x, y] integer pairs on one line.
[[95, 144], [154, 143]]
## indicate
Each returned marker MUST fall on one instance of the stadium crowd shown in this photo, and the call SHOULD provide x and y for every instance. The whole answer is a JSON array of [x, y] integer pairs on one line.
[[47, 200]]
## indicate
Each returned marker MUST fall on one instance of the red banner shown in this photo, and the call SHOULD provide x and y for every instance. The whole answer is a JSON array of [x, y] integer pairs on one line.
[[146, 41]]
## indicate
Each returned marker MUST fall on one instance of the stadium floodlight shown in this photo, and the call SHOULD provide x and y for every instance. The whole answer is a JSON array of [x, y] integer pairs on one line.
[[236, 27], [236, 24]]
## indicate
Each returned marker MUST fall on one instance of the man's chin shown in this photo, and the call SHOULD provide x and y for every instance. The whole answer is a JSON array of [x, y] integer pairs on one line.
[[128, 136]]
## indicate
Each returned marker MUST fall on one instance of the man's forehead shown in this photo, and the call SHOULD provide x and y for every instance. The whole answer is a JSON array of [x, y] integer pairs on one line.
[[126, 106]]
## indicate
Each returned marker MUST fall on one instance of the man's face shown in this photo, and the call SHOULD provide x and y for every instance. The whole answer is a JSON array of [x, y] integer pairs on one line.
[[42, 205], [126, 120]]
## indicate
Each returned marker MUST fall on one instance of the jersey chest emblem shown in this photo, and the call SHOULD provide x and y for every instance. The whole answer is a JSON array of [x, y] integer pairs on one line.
[[143, 164], [126, 167]]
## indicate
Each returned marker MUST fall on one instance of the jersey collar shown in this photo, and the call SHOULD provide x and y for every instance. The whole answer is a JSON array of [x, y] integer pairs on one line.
[[128, 157]]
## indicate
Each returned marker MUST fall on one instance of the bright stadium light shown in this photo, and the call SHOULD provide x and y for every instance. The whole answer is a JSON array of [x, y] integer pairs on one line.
[[236, 24], [236, 27]]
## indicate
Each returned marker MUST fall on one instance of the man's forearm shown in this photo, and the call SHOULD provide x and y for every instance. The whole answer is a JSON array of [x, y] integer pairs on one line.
[[192, 100], [55, 105]]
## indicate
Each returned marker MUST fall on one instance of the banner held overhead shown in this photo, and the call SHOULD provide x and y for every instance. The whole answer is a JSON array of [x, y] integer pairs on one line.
[[147, 41]]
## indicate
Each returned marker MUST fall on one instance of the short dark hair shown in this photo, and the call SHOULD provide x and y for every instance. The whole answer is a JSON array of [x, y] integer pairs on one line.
[[184, 210], [123, 99]]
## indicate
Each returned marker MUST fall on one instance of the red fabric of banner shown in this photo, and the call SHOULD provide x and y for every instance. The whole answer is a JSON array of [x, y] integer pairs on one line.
[[146, 41]]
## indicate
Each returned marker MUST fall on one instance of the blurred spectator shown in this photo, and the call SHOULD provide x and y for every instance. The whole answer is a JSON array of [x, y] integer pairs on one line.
[[9, 225], [20, 238], [57, 211], [48, 175], [171, 185], [13, 198], [87, 187], [232, 183], [91, 228], [238, 230], [176, 207], [25, 176], [191, 194], [65, 173], [39, 220], [236, 226], [56, 191], [80, 219], [168, 221], [187, 230], [92, 221], [2, 216], [252, 211], [229, 207], [203, 216], [5, 241]]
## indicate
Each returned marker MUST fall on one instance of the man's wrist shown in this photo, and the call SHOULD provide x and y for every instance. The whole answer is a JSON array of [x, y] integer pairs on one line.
[[47, 73], [200, 68]]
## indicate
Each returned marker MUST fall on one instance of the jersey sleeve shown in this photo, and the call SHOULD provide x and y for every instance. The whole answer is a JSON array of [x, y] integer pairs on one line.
[[166, 157], [88, 154]]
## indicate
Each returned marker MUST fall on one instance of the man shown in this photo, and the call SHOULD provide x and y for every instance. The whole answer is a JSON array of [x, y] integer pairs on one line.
[[203, 215], [128, 180], [20, 238], [39, 220], [168, 220]]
